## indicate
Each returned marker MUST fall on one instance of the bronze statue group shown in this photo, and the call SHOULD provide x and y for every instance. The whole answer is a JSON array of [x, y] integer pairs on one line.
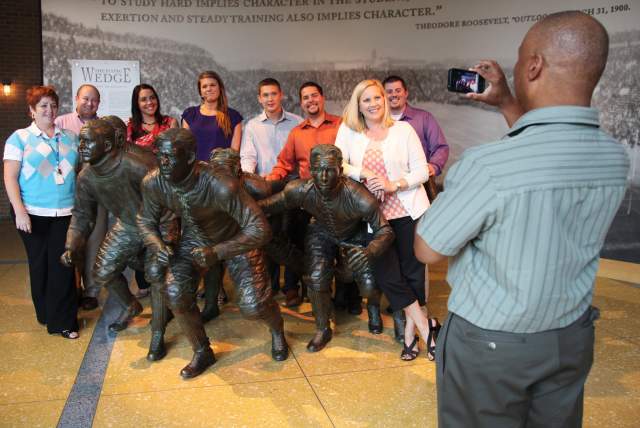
[[177, 217]]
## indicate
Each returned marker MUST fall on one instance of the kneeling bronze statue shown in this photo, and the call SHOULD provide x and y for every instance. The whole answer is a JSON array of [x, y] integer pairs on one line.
[[112, 179], [220, 222], [336, 240], [279, 250]]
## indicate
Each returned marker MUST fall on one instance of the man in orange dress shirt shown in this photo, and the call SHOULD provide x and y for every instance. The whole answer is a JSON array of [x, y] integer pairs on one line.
[[319, 127]]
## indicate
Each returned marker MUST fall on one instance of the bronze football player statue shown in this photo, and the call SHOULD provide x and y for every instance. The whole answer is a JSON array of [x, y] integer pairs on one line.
[[336, 242], [112, 179], [220, 222], [279, 249]]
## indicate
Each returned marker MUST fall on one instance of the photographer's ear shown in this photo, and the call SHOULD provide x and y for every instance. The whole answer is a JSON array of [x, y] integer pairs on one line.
[[534, 66]]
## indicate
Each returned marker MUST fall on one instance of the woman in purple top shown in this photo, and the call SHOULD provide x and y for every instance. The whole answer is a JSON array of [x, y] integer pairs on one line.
[[213, 123]]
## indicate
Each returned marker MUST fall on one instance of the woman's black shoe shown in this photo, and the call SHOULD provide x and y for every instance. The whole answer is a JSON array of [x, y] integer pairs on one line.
[[434, 330]]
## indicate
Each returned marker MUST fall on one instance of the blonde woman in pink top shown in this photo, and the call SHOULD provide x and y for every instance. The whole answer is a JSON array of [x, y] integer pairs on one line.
[[388, 157]]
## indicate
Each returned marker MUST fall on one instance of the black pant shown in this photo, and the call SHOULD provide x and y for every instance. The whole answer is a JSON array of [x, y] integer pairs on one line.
[[53, 287], [398, 273], [497, 379]]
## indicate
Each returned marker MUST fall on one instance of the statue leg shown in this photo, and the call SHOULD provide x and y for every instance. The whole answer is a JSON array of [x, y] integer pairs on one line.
[[367, 285], [160, 312], [91, 289], [399, 324], [369, 290], [119, 246], [283, 252], [212, 285], [319, 265], [180, 291], [255, 297], [160, 316]]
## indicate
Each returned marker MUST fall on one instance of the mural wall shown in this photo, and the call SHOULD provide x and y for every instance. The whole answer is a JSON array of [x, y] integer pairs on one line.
[[338, 43]]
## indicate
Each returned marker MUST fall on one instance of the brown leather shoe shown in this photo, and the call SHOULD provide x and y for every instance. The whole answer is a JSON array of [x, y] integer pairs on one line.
[[201, 360], [320, 340], [292, 299]]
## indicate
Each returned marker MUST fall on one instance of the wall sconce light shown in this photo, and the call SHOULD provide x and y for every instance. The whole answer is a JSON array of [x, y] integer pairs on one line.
[[6, 87]]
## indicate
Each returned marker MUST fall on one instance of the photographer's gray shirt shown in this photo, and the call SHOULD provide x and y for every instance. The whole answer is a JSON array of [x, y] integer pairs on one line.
[[525, 218]]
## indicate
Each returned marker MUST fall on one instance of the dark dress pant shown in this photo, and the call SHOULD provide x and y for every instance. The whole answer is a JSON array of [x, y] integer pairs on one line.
[[496, 379], [399, 275], [53, 289]]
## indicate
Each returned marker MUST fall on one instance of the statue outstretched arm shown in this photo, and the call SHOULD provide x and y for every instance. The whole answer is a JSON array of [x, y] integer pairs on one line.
[[290, 197], [83, 218], [255, 230], [383, 234]]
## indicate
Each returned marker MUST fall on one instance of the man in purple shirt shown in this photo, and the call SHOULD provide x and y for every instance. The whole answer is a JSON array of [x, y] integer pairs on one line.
[[433, 142]]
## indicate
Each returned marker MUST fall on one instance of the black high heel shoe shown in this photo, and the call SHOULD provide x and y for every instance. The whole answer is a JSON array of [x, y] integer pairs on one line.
[[69, 334], [408, 353], [434, 330]]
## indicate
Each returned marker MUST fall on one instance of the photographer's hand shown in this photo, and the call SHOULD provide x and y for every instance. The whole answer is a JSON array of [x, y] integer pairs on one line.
[[497, 92]]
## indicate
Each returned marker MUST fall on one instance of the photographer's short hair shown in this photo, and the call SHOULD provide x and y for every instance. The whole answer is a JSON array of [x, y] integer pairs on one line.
[[309, 84], [269, 81], [393, 79]]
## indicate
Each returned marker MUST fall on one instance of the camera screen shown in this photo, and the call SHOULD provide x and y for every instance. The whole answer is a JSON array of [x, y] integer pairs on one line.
[[466, 81]]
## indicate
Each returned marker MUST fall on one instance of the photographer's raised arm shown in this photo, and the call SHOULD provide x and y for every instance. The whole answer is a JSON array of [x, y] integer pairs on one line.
[[497, 92]]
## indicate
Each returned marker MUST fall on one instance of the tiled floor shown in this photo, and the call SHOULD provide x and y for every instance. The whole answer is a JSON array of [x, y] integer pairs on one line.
[[357, 381]]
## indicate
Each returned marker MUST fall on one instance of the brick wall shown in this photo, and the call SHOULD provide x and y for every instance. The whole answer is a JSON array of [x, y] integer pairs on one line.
[[20, 62]]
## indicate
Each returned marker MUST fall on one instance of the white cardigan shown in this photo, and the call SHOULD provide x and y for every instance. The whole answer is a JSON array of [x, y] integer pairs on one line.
[[403, 157]]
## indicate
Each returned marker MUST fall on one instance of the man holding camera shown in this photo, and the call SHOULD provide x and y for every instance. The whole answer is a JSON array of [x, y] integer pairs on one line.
[[523, 221]]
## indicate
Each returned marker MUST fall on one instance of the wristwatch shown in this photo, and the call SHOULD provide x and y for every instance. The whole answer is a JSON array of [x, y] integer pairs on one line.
[[397, 183]]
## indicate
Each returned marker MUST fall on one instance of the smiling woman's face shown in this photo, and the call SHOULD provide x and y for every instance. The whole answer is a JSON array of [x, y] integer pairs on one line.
[[371, 104]]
